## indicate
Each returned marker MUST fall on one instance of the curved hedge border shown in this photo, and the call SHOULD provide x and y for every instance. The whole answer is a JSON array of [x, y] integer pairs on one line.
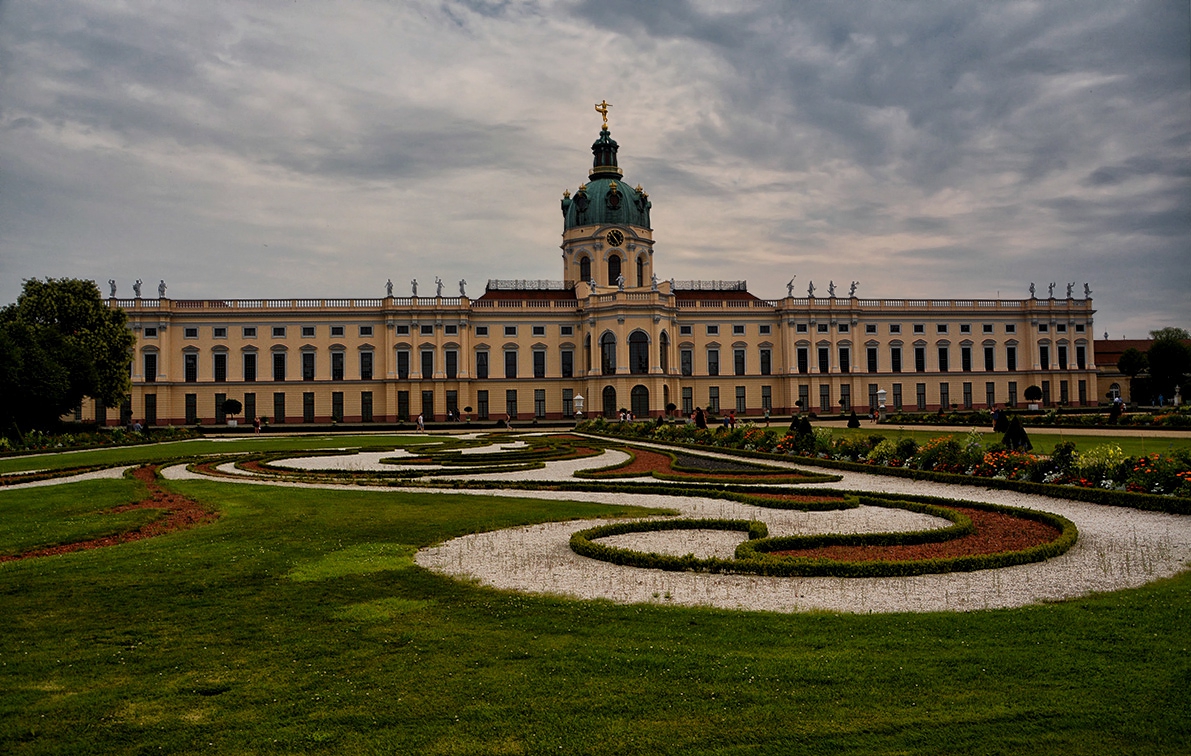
[[751, 560], [1128, 499], [686, 473]]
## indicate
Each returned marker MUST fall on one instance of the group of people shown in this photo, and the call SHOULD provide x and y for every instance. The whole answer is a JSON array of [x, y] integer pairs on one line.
[[699, 418]]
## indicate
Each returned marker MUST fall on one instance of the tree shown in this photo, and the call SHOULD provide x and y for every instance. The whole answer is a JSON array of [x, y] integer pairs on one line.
[[1170, 361], [1033, 394], [232, 407], [1132, 362], [59, 343]]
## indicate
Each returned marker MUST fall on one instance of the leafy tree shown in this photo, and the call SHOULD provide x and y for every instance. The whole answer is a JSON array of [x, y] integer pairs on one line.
[[59, 343], [1033, 393], [1170, 361], [1132, 362], [232, 407]]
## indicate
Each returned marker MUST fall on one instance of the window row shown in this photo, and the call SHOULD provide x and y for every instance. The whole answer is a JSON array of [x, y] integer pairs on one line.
[[942, 363], [277, 332]]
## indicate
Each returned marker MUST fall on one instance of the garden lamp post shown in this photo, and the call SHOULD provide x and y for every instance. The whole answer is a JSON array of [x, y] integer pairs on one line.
[[579, 406], [881, 403]]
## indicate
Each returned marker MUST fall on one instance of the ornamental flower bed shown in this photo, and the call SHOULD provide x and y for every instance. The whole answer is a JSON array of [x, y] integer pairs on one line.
[[698, 469]]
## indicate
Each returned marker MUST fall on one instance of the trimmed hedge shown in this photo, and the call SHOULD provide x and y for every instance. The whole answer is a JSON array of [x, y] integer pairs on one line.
[[584, 543], [765, 473]]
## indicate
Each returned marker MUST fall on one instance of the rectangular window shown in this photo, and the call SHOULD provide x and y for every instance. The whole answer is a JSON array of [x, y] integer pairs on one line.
[[539, 403], [249, 407], [945, 396], [920, 390], [428, 406], [308, 366], [403, 406], [897, 397], [944, 365], [568, 402], [1010, 328], [365, 330], [738, 361], [989, 358], [766, 362], [895, 359], [895, 328], [920, 359], [965, 328], [713, 362], [337, 332], [191, 409], [800, 328], [279, 332], [510, 330], [426, 330], [365, 366], [737, 330], [567, 363], [337, 406], [1064, 392], [804, 397], [539, 364], [871, 354], [804, 360], [366, 406], [919, 328], [824, 359], [308, 332], [1062, 356], [452, 359], [481, 330], [539, 330], [481, 364], [1043, 328], [566, 330], [511, 363], [1011, 358], [403, 365], [686, 359], [279, 407], [765, 330], [713, 399], [845, 398], [308, 406], [941, 328], [482, 404], [990, 394], [741, 406], [427, 364], [845, 360], [279, 366], [1083, 393], [870, 327], [821, 328], [986, 328], [872, 396], [1044, 356], [767, 398], [402, 330], [220, 367], [150, 367], [1012, 394], [337, 366], [191, 363], [249, 367], [824, 398], [1081, 357], [453, 404], [511, 403], [688, 400], [1046, 393], [219, 332], [843, 327], [967, 395], [190, 332], [451, 330], [965, 358], [685, 330], [249, 332], [713, 330]]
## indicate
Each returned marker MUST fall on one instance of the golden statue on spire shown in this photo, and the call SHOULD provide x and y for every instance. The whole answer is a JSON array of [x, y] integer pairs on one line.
[[602, 109]]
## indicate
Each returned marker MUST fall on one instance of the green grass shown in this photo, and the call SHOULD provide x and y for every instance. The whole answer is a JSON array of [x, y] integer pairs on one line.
[[1133, 444], [297, 624], [68, 513]]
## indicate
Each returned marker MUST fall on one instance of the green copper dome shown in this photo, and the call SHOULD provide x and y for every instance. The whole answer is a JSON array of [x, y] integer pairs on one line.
[[605, 198]]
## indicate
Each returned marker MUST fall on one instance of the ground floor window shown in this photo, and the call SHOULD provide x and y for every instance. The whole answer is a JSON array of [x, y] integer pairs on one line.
[[897, 397], [511, 403], [921, 395], [767, 398], [1083, 393], [639, 401], [845, 398], [967, 395], [192, 409], [279, 407], [824, 397], [482, 405], [1012, 394], [688, 400], [220, 415], [741, 404], [539, 403], [568, 402], [453, 404], [337, 406], [713, 399], [427, 405], [365, 406], [990, 394], [308, 406], [1064, 393], [804, 397], [250, 408], [150, 409], [402, 406], [944, 396]]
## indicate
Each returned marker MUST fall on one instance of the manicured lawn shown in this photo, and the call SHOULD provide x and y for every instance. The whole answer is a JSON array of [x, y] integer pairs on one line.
[[296, 623]]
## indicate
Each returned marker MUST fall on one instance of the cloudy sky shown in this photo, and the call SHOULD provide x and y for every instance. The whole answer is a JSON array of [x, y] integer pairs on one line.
[[926, 149]]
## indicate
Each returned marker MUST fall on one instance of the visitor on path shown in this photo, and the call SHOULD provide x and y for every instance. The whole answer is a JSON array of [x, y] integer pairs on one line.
[[256, 425], [421, 422], [766, 417], [700, 419]]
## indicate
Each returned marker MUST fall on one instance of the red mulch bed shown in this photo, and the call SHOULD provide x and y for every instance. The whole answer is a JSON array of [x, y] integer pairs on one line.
[[182, 513], [647, 462], [995, 532], [804, 498]]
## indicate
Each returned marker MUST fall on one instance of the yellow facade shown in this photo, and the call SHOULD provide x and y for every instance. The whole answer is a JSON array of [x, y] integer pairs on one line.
[[610, 332]]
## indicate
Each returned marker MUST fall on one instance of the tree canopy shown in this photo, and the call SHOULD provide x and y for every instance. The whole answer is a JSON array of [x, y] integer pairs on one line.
[[1169, 358], [59, 343]]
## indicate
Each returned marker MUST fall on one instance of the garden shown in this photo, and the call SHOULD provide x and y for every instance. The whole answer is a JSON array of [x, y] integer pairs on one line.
[[288, 594]]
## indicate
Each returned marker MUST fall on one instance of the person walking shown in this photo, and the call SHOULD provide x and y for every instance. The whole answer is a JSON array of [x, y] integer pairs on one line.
[[421, 423]]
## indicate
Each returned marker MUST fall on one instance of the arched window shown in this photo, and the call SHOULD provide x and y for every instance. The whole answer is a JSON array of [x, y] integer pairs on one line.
[[613, 269], [608, 354], [664, 353], [609, 401], [585, 268], [638, 352], [640, 401], [640, 272]]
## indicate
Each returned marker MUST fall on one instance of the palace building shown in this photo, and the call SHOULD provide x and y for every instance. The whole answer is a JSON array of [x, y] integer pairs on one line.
[[609, 331]]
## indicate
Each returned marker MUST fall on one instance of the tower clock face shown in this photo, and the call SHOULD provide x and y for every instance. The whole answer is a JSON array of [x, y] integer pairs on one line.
[[615, 238]]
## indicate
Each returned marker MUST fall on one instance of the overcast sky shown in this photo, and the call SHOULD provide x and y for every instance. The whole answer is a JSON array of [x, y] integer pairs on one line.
[[926, 149]]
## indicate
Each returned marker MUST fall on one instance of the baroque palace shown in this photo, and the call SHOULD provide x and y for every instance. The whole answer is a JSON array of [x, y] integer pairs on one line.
[[608, 335]]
